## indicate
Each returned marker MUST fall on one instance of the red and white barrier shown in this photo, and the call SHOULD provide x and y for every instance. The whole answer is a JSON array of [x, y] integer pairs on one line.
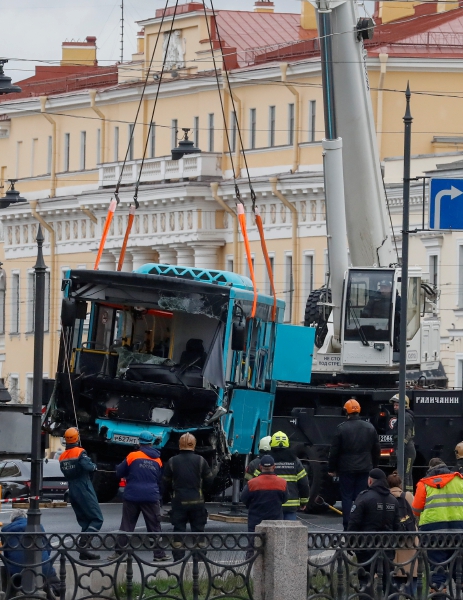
[[23, 499]]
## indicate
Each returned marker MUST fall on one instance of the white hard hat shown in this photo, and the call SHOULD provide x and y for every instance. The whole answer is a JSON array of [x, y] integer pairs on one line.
[[264, 444]]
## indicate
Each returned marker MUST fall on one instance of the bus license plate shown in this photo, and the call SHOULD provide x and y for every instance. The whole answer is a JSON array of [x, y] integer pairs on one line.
[[125, 439], [385, 439]]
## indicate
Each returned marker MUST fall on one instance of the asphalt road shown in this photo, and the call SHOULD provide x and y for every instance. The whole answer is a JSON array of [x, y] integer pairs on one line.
[[62, 520]]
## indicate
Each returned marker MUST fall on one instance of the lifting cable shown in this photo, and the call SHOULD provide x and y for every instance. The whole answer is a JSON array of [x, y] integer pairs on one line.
[[114, 202], [150, 132], [240, 206]]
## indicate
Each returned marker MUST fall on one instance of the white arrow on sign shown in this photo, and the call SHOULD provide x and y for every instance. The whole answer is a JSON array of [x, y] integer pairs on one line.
[[453, 192]]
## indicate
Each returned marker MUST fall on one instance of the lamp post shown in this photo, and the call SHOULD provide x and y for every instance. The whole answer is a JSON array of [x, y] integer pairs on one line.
[[5, 82], [404, 289]]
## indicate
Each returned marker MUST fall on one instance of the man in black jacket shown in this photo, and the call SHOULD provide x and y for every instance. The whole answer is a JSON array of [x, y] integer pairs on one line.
[[375, 509], [186, 476], [354, 452]]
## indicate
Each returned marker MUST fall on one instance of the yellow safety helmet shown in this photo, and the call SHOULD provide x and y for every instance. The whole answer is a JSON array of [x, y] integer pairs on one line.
[[395, 400], [71, 435], [279, 440], [459, 450]]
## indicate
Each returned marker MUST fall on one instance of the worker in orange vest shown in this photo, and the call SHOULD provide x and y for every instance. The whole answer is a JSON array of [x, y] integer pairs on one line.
[[77, 467], [142, 472]]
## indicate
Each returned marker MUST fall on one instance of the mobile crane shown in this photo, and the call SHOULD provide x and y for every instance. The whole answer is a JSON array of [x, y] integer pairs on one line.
[[357, 314]]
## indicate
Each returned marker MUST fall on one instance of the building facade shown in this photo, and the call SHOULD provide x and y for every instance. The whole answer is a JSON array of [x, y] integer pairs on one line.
[[71, 137]]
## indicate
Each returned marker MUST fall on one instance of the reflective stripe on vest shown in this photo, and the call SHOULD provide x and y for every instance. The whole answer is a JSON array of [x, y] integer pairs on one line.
[[141, 455], [72, 453], [445, 504]]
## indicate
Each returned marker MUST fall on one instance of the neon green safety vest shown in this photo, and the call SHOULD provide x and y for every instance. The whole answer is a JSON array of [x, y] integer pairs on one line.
[[445, 504]]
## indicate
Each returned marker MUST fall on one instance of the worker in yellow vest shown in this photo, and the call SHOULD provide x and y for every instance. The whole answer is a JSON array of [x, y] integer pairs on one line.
[[438, 504]]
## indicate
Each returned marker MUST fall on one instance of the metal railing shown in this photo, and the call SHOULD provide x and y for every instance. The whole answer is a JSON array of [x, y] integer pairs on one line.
[[196, 566], [395, 566]]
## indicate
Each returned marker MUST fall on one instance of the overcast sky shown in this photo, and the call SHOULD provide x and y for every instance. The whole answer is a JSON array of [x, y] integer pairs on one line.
[[33, 30]]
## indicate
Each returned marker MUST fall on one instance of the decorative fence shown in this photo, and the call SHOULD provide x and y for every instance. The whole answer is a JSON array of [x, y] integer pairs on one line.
[[206, 566], [380, 566]]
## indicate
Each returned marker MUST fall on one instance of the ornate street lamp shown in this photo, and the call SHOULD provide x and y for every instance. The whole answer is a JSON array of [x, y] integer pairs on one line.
[[5, 82], [12, 196], [185, 146]]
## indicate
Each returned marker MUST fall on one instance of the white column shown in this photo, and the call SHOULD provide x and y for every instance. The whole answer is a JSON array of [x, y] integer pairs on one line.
[[107, 262], [185, 256], [127, 267], [206, 255], [142, 256], [167, 256]]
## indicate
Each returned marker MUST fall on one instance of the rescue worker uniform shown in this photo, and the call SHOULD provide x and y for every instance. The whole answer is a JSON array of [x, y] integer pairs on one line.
[[409, 442], [355, 450], [264, 496], [186, 476], [438, 503], [77, 467], [374, 509], [142, 472]]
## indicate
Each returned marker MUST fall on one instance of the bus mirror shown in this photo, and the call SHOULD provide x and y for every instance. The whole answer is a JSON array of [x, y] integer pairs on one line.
[[238, 342], [72, 310]]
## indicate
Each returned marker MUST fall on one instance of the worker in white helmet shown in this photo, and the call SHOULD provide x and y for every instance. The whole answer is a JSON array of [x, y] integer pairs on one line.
[[253, 466]]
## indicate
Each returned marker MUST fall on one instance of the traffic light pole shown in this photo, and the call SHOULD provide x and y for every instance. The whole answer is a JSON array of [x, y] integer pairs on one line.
[[404, 289]]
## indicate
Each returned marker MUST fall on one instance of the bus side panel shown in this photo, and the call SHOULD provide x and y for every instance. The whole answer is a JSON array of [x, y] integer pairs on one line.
[[248, 420]]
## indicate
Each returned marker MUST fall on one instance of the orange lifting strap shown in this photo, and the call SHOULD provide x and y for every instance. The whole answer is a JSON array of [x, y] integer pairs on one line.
[[107, 225], [260, 227], [242, 220], [126, 238]]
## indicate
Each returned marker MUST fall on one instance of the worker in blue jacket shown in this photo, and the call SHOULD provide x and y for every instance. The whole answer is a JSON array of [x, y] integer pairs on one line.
[[14, 554], [142, 472], [77, 467]]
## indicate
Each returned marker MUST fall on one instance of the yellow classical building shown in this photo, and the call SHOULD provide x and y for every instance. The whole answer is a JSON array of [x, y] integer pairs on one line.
[[78, 130]]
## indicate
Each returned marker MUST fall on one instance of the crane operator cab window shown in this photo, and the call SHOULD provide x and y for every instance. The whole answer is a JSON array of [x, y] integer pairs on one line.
[[369, 306]]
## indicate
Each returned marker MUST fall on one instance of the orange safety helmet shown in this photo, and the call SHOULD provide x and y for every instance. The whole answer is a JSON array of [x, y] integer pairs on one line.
[[187, 442], [71, 435], [352, 406]]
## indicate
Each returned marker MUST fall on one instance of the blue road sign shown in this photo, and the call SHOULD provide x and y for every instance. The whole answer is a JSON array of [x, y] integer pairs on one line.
[[446, 204]]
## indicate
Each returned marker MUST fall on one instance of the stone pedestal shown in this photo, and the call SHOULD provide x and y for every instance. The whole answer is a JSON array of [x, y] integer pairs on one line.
[[281, 571]]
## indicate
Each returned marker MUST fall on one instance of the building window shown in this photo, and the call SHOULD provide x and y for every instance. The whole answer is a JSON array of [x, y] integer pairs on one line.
[[312, 115], [196, 131], [49, 154], [33, 155], [308, 275], [2, 301], [29, 387], [233, 131], [98, 146], [83, 149], [267, 286], [174, 133], [152, 140], [434, 269], [13, 387], [229, 264], [211, 132], [271, 126], [289, 291], [30, 323], [131, 134], [67, 149], [15, 303], [247, 270], [116, 144], [252, 128], [290, 124]]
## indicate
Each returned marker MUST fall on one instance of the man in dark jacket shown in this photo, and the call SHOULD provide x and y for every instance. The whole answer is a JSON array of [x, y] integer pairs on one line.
[[409, 443], [14, 553], [76, 466], [142, 472], [354, 452], [253, 466], [375, 509], [289, 468], [264, 495], [186, 476]]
